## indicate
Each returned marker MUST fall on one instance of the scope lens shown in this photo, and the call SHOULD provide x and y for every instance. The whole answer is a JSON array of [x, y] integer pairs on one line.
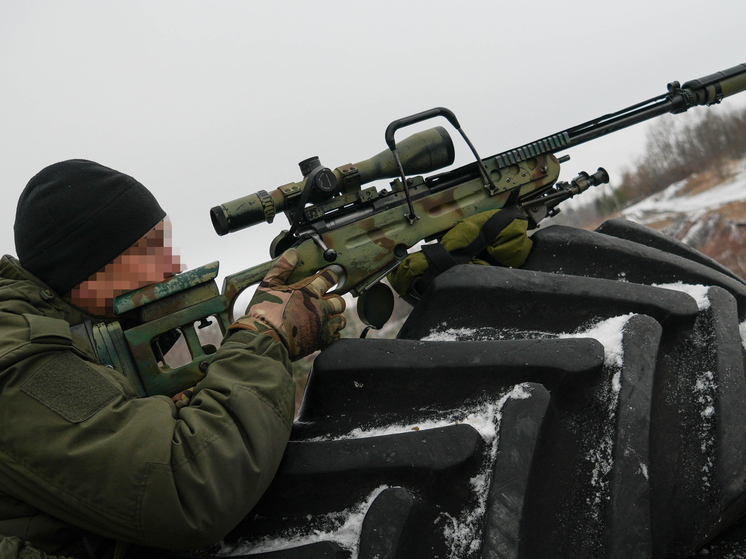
[[219, 220]]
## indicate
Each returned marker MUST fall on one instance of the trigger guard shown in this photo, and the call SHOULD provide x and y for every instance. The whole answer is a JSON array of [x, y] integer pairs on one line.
[[341, 278]]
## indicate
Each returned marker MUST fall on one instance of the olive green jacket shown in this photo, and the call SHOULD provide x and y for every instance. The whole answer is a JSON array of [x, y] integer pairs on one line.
[[78, 446]]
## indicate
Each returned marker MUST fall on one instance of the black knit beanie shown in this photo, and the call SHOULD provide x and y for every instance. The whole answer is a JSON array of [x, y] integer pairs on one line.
[[75, 217]]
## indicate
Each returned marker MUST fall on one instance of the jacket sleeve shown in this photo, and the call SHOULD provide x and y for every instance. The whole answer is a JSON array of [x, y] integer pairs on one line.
[[15, 548], [83, 449]]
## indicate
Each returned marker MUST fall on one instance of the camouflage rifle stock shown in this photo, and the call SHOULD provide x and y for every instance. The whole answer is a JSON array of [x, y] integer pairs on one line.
[[366, 232]]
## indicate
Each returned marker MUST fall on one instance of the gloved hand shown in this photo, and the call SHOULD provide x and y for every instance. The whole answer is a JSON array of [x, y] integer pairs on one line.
[[183, 398], [301, 315], [502, 241]]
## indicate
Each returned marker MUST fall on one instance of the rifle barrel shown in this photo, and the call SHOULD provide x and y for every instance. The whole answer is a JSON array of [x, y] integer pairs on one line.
[[708, 90]]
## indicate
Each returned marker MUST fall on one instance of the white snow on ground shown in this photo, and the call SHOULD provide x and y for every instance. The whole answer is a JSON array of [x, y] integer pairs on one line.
[[742, 329], [700, 227], [667, 202]]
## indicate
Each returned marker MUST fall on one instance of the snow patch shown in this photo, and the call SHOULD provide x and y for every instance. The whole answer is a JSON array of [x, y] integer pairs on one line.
[[601, 456], [477, 334], [449, 335], [462, 533], [668, 203], [644, 470], [701, 229], [705, 389], [481, 418], [697, 292], [609, 333], [742, 330], [343, 528]]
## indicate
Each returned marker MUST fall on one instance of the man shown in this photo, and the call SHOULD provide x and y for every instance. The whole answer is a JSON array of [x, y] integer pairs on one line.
[[84, 462]]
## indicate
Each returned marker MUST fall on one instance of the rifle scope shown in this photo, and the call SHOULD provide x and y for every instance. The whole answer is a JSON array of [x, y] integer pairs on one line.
[[421, 153]]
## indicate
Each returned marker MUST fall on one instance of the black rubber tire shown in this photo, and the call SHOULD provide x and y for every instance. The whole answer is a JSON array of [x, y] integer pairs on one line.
[[590, 457]]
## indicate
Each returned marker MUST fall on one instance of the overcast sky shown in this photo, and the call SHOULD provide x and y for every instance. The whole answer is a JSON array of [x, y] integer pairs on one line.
[[204, 102]]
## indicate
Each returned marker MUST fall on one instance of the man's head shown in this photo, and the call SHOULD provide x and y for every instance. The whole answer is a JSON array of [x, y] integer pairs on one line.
[[80, 224], [150, 260]]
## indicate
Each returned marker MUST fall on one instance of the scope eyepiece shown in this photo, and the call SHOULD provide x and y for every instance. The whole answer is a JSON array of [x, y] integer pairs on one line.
[[219, 221], [243, 212]]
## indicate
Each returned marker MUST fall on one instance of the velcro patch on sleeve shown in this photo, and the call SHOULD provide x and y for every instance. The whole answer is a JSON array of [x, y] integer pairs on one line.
[[70, 387]]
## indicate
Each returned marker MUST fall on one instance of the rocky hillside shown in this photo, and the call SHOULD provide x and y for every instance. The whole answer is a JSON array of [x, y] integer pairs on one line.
[[690, 183], [706, 211]]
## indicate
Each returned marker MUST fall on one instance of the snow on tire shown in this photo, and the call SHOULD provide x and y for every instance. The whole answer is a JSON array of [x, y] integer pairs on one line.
[[590, 404]]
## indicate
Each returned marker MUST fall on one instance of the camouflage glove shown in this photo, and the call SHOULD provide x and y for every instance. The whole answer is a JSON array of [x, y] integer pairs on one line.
[[300, 315], [509, 247], [183, 398]]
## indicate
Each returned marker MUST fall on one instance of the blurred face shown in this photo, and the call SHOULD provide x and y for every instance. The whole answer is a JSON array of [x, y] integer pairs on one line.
[[149, 260]]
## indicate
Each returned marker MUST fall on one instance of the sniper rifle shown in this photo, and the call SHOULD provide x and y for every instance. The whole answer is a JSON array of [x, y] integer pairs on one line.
[[365, 232]]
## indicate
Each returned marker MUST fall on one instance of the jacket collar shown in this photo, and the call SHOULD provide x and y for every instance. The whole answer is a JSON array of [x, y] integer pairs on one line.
[[39, 293]]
